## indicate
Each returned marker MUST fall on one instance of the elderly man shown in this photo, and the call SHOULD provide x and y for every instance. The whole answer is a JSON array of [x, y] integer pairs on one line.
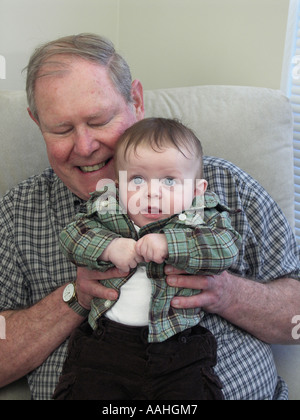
[[81, 95]]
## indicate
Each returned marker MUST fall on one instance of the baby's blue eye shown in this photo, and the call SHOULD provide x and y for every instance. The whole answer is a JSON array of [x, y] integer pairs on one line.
[[138, 180], [169, 182]]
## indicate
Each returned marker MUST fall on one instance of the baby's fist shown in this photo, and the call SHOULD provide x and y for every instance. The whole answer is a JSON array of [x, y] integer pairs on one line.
[[153, 247]]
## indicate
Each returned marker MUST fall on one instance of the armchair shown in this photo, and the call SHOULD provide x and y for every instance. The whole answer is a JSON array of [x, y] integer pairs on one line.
[[252, 127]]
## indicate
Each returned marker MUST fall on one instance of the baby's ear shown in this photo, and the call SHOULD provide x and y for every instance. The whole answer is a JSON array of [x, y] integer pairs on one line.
[[200, 186]]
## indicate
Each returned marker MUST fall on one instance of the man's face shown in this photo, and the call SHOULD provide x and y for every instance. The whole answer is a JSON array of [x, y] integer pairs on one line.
[[81, 116]]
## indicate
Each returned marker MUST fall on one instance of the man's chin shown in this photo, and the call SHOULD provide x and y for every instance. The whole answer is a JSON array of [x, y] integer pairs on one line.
[[86, 182]]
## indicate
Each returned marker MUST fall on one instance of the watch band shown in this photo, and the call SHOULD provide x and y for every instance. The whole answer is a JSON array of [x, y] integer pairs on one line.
[[80, 310], [72, 301]]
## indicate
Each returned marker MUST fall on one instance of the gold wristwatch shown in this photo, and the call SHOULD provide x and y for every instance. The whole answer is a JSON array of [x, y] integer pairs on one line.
[[70, 297]]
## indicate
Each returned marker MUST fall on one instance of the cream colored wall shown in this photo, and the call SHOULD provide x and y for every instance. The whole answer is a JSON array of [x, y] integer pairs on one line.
[[167, 43]]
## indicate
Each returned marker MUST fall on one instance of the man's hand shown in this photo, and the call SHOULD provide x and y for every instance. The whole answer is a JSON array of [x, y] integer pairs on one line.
[[215, 292], [153, 247], [88, 285], [263, 310]]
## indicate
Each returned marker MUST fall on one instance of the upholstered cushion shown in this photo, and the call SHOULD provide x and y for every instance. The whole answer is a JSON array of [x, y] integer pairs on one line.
[[251, 127], [23, 151]]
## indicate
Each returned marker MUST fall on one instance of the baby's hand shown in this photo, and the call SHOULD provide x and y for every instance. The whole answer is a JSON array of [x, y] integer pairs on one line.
[[153, 247], [122, 253]]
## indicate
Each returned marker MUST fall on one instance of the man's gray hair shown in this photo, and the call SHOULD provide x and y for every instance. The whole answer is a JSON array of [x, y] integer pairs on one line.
[[90, 47]]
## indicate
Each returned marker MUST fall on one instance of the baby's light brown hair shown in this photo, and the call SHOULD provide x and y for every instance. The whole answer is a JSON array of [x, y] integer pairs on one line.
[[159, 133]]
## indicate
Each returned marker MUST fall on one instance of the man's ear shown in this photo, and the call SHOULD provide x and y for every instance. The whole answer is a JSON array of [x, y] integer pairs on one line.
[[32, 117], [200, 187], [138, 99]]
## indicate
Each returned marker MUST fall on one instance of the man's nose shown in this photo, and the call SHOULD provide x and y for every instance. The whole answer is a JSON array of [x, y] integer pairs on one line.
[[85, 142]]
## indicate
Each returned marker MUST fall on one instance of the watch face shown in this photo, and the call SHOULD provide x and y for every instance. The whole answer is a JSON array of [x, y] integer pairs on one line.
[[68, 292]]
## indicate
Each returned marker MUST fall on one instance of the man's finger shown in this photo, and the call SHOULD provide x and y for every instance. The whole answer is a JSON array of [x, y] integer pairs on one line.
[[187, 302], [169, 269], [188, 281], [91, 289]]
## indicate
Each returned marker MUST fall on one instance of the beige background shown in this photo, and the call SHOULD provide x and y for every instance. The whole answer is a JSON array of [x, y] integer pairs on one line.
[[168, 43]]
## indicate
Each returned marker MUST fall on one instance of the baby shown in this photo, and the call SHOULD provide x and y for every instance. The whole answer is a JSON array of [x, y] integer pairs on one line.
[[160, 214]]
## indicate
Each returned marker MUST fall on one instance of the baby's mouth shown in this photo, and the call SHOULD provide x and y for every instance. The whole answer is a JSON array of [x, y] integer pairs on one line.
[[152, 210]]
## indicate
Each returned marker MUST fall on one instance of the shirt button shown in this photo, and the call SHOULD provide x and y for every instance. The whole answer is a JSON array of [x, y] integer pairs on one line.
[[107, 303], [182, 217], [104, 203]]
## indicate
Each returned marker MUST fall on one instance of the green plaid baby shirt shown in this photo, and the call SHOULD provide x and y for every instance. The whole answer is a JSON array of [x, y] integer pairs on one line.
[[33, 214], [200, 240]]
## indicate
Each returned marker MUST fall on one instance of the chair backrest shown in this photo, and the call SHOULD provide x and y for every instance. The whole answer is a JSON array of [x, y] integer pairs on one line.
[[251, 127]]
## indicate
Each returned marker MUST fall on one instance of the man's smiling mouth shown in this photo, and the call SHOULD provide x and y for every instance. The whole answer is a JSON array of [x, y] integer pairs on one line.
[[94, 168]]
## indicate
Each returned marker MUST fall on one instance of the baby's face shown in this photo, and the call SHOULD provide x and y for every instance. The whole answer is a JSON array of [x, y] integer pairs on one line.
[[156, 185]]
